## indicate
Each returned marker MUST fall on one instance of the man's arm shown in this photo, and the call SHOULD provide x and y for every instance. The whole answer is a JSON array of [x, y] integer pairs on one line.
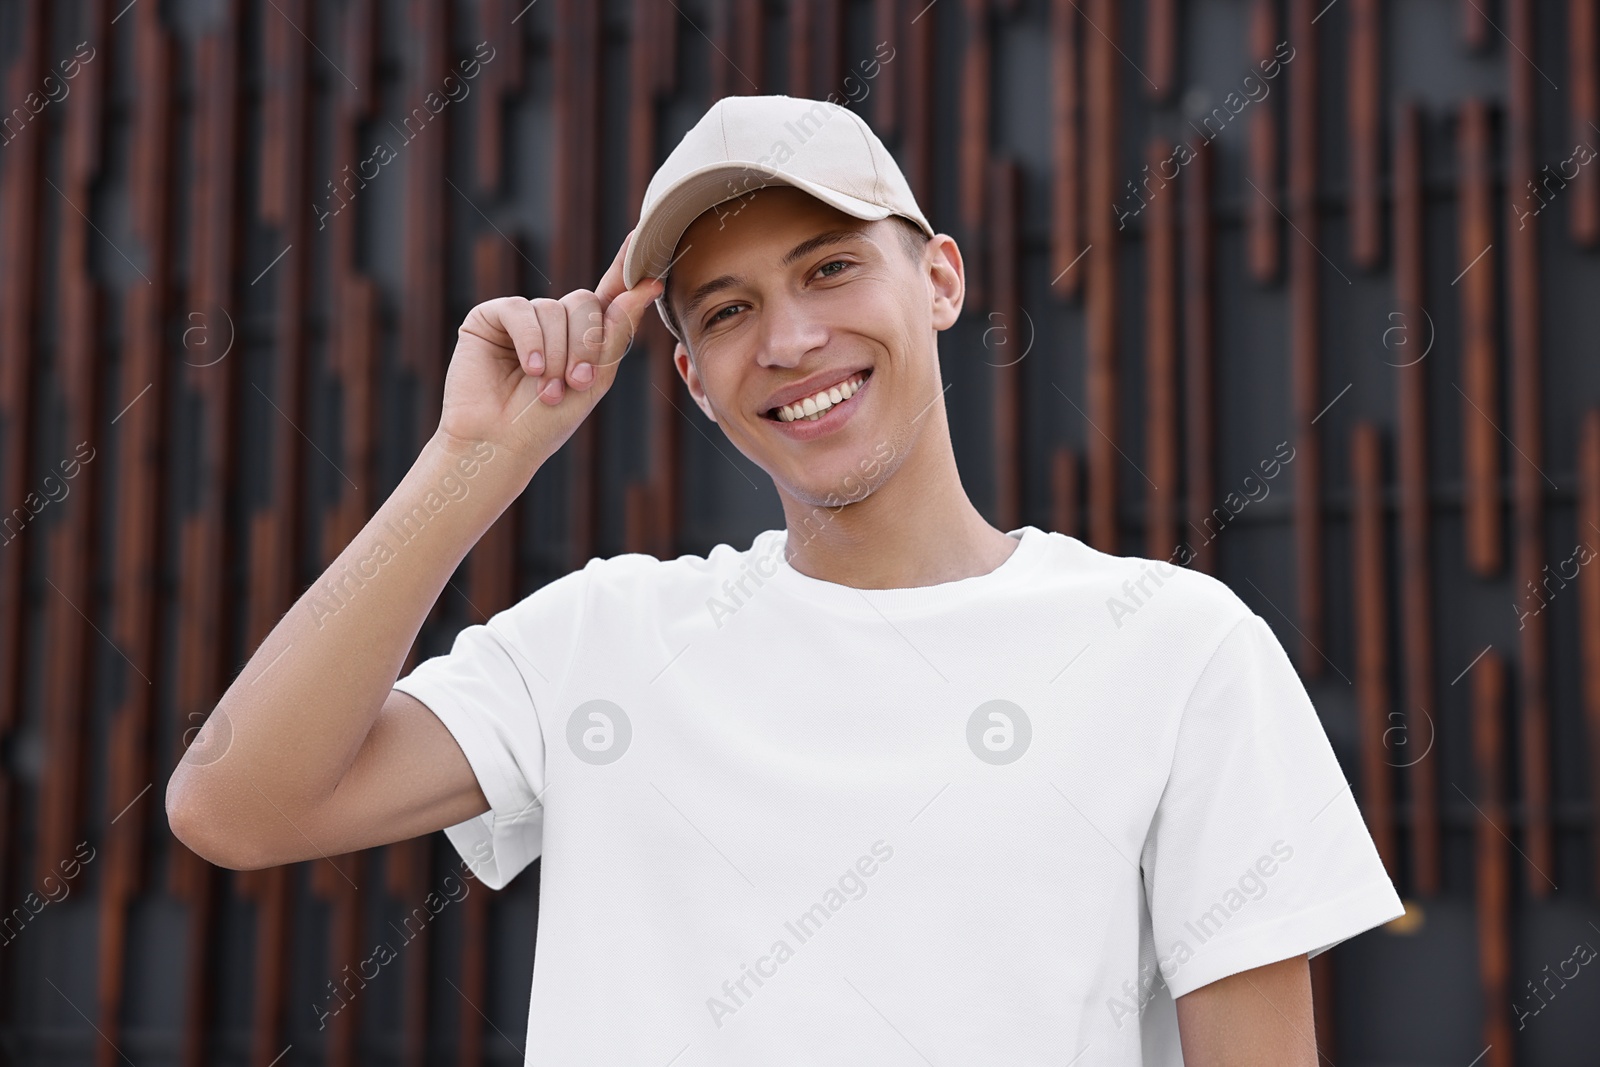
[[1255, 1018], [258, 786], [311, 752]]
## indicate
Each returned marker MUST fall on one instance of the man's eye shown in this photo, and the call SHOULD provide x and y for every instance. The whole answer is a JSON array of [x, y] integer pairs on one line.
[[834, 262], [712, 321]]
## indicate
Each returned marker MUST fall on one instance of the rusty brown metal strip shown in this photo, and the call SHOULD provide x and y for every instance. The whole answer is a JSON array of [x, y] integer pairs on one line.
[[1527, 477], [1162, 459], [1370, 610], [337, 1008], [1101, 61], [1365, 131], [1480, 341], [1261, 151], [1583, 44], [1589, 615], [1199, 355], [1007, 432], [1415, 564], [141, 506], [1492, 857], [1305, 313], [1066, 148]]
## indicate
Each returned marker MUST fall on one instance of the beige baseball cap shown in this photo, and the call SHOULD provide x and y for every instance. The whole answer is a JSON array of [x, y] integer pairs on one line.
[[744, 143]]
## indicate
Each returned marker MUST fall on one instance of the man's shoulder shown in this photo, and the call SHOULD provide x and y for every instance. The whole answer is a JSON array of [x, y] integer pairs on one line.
[[1167, 598]]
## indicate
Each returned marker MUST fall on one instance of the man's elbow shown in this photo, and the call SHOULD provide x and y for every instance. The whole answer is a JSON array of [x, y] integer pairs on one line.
[[193, 821]]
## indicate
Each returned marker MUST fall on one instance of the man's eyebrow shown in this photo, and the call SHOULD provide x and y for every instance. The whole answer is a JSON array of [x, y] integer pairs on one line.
[[704, 292]]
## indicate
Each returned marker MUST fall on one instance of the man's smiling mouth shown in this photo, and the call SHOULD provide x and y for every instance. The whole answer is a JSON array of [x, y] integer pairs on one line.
[[820, 403]]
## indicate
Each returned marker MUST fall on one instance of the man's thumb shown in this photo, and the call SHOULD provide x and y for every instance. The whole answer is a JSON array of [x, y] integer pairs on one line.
[[624, 316]]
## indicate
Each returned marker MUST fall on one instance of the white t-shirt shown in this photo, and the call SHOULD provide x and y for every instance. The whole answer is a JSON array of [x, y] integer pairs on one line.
[[1005, 819]]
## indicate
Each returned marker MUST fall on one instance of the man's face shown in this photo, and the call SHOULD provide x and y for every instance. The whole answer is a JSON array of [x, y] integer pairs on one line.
[[767, 309]]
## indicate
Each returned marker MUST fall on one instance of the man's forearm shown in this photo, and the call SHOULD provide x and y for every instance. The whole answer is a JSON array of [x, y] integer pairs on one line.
[[292, 722]]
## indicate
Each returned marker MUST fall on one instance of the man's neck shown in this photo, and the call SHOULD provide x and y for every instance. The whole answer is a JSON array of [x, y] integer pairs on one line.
[[917, 529]]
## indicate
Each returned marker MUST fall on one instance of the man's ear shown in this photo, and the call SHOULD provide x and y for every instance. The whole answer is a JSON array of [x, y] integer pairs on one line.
[[691, 378], [947, 279]]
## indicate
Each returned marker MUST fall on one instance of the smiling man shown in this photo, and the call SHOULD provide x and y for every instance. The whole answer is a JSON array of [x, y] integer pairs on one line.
[[885, 784]]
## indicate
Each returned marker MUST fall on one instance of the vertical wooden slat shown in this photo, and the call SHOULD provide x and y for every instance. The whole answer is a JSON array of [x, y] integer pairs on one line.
[[801, 15], [1066, 158], [1525, 431], [1480, 342], [749, 33], [70, 550], [1365, 131], [918, 61], [1199, 345], [1008, 435], [1371, 625], [1583, 44], [666, 431], [205, 535], [725, 79], [1161, 48], [1475, 25], [22, 163], [577, 79], [141, 502], [1305, 316], [353, 362], [1162, 428], [1261, 153], [1065, 514], [275, 545], [497, 78], [886, 92], [830, 47], [973, 157], [492, 561], [1492, 858], [1589, 616], [1103, 126], [1416, 583]]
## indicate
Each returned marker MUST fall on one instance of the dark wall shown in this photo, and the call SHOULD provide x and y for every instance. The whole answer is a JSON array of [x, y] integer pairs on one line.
[[1376, 254]]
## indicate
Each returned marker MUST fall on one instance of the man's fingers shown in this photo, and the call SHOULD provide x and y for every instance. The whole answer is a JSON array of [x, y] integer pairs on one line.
[[553, 325], [585, 336]]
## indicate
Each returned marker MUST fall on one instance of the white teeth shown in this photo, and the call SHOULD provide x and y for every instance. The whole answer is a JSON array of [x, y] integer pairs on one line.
[[813, 407]]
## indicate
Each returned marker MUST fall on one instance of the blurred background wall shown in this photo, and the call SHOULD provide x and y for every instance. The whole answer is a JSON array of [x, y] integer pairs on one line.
[[1307, 289]]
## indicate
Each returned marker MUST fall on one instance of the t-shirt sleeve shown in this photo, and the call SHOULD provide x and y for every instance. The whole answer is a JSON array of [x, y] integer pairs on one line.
[[488, 691], [1257, 851]]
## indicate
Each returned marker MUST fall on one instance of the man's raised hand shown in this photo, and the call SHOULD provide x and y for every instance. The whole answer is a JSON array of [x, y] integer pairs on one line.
[[525, 372]]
